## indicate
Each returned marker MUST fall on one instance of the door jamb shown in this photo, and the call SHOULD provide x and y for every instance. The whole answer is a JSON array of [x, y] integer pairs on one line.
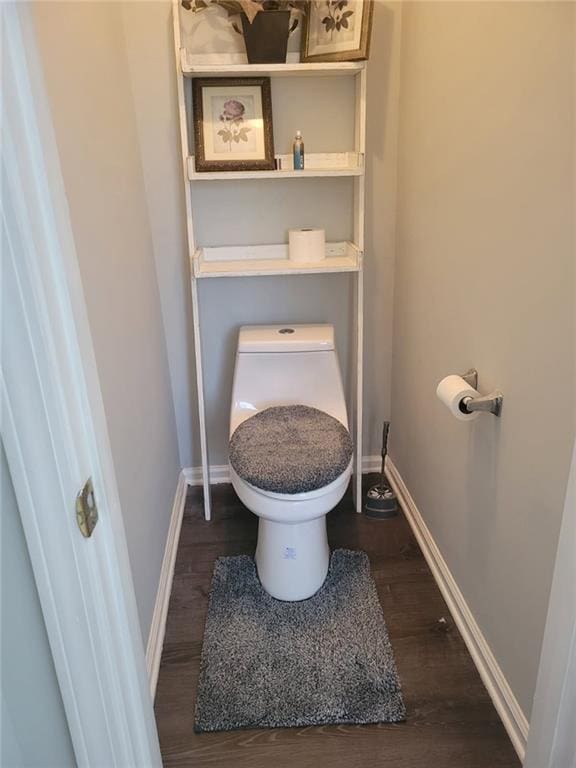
[[55, 434]]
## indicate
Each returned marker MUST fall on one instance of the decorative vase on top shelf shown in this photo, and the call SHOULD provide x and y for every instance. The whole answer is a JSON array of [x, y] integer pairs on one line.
[[264, 24]]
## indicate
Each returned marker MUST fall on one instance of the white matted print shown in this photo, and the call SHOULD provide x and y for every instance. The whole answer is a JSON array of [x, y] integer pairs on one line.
[[337, 30], [233, 124]]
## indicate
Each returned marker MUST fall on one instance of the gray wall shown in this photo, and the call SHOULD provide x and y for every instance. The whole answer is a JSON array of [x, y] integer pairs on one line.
[[87, 81], [381, 188], [235, 212], [149, 48], [485, 277], [34, 730]]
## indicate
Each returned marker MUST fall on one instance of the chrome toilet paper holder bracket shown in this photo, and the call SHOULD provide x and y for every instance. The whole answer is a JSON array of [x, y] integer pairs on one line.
[[491, 403]]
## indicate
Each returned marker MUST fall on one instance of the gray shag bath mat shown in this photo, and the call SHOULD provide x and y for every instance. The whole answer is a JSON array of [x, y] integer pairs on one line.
[[272, 664]]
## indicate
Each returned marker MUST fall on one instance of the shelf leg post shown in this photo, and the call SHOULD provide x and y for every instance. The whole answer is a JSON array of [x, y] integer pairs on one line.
[[359, 220], [201, 402], [359, 388]]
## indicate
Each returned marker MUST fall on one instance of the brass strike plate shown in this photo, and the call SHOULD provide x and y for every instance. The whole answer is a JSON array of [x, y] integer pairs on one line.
[[86, 509]]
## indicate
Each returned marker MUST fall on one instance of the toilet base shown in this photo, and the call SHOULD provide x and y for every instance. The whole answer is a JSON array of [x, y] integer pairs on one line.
[[292, 558]]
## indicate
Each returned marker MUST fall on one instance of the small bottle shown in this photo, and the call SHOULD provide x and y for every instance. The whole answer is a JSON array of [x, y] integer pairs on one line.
[[298, 151]]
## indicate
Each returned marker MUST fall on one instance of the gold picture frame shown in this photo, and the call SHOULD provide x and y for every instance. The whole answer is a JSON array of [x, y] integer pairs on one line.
[[337, 30], [233, 124]]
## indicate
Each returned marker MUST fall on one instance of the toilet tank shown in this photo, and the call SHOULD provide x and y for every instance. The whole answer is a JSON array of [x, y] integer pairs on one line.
[[286, 365]]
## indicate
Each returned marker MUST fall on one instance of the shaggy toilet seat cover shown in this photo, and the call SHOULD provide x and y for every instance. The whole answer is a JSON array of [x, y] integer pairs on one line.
[[290, 449]]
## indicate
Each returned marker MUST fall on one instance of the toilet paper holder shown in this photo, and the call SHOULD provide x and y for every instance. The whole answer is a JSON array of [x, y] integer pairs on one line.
[[491, 403]]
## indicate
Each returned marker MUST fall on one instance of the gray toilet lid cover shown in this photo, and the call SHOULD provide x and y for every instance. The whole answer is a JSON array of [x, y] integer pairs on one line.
[[290, 449]]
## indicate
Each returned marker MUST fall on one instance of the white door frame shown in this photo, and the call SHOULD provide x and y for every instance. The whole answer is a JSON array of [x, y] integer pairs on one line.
[[55, 434], [551, 739], [551, 742]]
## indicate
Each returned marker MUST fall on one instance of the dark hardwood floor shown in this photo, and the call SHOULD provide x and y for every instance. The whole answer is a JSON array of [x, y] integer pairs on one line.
[[451, 720]]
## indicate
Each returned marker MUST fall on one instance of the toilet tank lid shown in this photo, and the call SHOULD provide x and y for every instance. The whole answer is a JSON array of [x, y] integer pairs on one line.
[[286, 338]]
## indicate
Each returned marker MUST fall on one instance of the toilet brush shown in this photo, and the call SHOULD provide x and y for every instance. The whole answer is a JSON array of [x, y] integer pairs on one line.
[[381, 502]]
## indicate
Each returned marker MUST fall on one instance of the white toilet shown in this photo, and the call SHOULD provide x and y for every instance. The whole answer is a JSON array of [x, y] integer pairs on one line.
[[290, 449]]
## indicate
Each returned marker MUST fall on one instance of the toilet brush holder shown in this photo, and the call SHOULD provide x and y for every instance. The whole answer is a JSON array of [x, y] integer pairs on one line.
[[381, 502]]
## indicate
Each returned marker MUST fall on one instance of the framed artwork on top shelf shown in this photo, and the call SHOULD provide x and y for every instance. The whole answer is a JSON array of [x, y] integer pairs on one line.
[[337, 30], [233, 124]]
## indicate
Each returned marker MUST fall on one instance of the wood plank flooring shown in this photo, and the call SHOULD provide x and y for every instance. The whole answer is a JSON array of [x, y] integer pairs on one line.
[[451, 720]]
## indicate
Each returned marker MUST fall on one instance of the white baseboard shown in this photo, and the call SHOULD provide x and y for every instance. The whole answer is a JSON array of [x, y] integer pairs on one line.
[[371, 464], [158, 626], [492, 676], [220, 473]]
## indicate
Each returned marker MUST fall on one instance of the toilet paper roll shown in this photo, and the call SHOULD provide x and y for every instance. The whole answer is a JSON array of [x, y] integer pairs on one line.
[[306, 245], [451, 392]]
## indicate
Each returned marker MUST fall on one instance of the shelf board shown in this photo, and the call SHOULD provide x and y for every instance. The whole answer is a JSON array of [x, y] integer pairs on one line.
[[259, 260], [291, 69], [321, 165]]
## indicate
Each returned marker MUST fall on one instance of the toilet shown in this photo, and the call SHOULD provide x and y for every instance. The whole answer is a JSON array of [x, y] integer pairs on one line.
[[290, 449]]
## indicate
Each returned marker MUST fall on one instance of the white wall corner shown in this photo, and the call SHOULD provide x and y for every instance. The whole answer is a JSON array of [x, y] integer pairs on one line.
[[492, 676], [158, 626]]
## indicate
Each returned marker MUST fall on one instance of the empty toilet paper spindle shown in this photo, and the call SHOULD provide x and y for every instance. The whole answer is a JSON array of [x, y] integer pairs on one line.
[[461, 396]]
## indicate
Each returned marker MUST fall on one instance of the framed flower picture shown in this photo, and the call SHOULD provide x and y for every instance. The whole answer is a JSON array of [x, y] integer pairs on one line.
[[233, 124], [337, 30]]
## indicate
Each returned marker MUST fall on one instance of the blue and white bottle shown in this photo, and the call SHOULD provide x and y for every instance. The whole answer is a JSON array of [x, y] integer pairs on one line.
[[298, 151]]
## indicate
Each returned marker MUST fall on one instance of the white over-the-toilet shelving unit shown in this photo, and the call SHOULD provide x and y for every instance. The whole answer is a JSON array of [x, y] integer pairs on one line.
[[259, 260]]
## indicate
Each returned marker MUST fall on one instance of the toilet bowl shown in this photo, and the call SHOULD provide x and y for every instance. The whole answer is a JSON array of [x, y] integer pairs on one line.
[[290, 450]]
